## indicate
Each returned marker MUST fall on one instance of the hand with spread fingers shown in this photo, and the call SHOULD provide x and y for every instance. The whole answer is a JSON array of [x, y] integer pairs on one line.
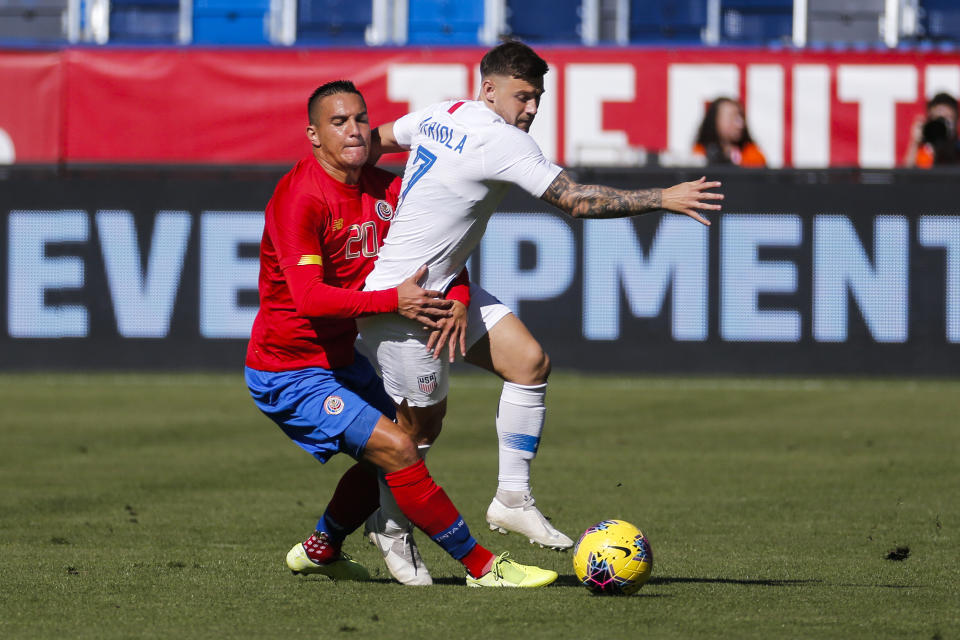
[[688, 197], [452, 333], [423, 305]]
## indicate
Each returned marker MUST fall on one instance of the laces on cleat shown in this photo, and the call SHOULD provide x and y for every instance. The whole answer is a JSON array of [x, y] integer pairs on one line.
[[498, 564], [506, 572], [399, 551]]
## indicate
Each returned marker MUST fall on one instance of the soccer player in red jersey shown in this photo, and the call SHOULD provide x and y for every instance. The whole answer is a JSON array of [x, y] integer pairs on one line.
[[302, 369]]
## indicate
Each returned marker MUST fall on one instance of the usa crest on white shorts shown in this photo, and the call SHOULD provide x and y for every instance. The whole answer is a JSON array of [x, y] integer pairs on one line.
[[384, 210], [333, 405], [427, 383]]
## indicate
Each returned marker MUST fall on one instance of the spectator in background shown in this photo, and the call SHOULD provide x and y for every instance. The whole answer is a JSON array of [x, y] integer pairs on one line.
[[933, 136], [723, 137]]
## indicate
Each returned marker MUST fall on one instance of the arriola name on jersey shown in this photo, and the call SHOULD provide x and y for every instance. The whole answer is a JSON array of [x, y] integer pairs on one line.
[[442, 134]]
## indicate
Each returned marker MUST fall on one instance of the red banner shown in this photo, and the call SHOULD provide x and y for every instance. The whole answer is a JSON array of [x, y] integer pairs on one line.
[[30, 107], [603, 106]]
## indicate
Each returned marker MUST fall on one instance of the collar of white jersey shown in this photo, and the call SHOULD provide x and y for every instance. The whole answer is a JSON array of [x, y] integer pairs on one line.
[[451, 108]]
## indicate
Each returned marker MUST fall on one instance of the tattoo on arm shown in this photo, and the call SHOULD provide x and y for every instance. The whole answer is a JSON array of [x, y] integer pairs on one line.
[[598, 201]]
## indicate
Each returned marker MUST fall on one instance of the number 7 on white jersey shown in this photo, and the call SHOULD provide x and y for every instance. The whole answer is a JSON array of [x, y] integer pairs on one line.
[[426, 160]]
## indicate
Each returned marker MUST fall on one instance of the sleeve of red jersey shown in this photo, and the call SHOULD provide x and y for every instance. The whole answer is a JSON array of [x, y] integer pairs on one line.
[[298, 232], [316, 299], [460, 288]]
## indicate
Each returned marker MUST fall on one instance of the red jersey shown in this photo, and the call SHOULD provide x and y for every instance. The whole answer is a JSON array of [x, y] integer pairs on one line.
[[319, 240]]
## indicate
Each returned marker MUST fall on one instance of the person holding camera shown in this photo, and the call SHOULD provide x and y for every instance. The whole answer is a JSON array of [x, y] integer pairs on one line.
[[933, 136]]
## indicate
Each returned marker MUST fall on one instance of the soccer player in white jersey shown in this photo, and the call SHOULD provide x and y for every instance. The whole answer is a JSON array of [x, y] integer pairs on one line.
[[464, 156]]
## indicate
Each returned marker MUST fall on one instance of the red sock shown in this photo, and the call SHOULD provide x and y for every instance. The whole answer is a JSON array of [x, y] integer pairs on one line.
[[428, 507], [320, 549], [478, 561], [357, 496]]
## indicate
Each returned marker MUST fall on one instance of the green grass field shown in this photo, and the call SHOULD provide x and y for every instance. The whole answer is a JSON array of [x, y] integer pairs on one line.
[[162, 506]]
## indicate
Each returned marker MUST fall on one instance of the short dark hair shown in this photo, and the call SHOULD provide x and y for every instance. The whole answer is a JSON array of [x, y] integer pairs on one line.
[[945, 99], [514, 59], [329, 89]]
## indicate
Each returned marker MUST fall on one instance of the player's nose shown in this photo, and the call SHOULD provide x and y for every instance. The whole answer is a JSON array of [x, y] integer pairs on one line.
[[352, 128]]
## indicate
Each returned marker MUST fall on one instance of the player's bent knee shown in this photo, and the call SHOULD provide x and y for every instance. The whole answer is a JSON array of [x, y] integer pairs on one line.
[[390, 447], [402, 454], [405, 454], [545, 367], [535, 369]]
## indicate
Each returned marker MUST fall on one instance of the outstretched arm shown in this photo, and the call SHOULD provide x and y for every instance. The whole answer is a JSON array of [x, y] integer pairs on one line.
[[314, 298], [598, 201]]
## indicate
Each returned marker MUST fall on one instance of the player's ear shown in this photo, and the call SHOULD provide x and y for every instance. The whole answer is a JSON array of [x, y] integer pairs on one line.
[[488, 89], [312, 135]]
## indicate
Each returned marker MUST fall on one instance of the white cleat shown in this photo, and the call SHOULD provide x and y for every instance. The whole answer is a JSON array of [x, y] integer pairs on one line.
[[526, 520], [399, 552]]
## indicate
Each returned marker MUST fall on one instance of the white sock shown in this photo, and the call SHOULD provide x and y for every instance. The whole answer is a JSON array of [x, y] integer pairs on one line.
[[520, 419], [394, 522]]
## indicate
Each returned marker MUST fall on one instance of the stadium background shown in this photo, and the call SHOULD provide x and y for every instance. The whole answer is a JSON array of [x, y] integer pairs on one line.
[[142, 139]]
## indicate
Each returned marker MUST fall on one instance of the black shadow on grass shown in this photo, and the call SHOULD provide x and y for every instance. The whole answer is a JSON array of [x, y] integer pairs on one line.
[[561, 581], [882, 586], [746, 583], [572, 581], [568, 580], [446, 580], [770, 583]]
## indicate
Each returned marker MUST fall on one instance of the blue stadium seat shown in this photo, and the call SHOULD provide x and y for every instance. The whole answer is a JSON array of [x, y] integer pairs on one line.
[[756, 21], [231, 21], [537, 21], [32, 21], [667, 21], [144, 21], [444, 22], [341, 22], [846, 23], [941, 20]]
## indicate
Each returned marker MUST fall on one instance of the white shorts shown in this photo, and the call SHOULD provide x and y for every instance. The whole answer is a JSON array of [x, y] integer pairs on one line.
[[397, 347]]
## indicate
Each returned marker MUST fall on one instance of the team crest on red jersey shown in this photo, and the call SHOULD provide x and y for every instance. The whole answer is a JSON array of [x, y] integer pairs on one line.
[[384, 210], [333, 405], [427, 383]]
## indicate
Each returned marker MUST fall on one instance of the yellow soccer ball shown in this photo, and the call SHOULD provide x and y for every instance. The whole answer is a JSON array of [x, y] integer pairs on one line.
[[613, 557]]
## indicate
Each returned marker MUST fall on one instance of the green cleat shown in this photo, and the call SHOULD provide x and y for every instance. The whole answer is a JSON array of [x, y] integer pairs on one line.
[[507, 573], [341, 568]]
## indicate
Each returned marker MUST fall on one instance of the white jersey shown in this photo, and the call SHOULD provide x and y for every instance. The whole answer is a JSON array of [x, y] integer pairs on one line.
[[463, 158]]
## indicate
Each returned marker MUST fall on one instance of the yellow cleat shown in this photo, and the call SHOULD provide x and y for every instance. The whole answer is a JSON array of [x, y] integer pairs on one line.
[[342, 568], [507, 573]]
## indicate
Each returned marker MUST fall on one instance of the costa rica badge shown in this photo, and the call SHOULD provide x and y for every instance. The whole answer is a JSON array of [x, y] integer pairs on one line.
[[333, 405], [384, 210]]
